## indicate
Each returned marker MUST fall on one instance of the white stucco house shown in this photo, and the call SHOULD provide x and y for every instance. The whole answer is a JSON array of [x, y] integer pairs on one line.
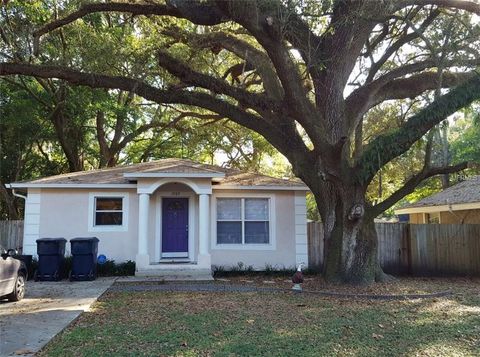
[[172, 215]]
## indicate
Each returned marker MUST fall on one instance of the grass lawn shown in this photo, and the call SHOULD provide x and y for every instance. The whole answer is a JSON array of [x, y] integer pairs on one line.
[[279, 324]]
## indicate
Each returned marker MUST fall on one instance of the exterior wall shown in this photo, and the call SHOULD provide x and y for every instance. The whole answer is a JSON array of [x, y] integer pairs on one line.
[[64, 213], [460, 217], [416, 218], [284, 253], [455, 217], [32, 221], [301, 240]]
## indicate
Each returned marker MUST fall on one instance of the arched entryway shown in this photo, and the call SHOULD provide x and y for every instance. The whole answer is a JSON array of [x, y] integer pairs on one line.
[[179, 204], [176, 210]]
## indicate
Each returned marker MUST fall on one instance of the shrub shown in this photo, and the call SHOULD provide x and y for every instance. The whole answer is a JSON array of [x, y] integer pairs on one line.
[[110, 268], [240, 269], [32, 268]]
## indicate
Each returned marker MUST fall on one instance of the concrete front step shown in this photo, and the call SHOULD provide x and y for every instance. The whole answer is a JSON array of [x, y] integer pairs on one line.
[[174, 274]]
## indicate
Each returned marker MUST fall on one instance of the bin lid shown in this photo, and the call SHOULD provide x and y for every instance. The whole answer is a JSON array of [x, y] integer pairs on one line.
[[50, 240], [84, 239]]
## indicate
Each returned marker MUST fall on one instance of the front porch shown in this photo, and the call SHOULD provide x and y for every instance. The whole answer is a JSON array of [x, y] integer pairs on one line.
[[174, 227]]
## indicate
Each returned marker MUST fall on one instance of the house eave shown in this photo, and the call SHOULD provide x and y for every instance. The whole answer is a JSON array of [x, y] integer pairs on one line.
[[70, 185], [439, 208], [134, 186], [264, 188]]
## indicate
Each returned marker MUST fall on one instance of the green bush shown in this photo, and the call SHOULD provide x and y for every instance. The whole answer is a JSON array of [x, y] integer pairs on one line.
[[110, 268], [32, 268], [240, 269]]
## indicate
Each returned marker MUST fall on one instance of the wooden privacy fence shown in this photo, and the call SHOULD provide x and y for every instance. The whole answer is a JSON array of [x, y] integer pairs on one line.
[[11, 235], [418, 249], [445, 249]]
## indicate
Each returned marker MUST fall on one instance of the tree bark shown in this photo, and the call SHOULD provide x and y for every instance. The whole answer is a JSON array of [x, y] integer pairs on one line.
[[349, 232], [9, 200], [68, 143], [351, 251]]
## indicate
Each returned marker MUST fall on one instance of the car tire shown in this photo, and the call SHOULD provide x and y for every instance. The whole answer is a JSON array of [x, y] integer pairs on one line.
[[19, 289]]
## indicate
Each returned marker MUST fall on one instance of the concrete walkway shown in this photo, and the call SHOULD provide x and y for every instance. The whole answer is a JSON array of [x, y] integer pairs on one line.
[[48, 307]]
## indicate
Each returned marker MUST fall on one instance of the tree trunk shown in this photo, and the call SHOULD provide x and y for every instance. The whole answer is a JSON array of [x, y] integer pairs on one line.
[[9, 200], [350, 238]]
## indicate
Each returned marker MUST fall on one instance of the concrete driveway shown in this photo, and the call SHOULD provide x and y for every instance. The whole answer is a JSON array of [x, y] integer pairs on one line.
[[48, 307]]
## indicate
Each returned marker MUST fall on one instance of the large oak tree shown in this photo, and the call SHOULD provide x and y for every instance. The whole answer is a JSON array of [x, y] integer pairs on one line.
[[305, 75]]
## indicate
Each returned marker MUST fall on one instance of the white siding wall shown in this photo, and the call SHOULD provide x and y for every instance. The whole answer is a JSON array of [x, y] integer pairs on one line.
[[301, 245], [32, 221]]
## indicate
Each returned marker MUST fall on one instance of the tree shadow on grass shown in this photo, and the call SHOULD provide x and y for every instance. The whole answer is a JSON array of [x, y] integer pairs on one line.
[[264, 324]]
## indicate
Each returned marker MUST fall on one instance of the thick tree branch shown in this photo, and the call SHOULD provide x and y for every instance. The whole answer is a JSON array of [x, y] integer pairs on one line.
[[282, 137], [210, 13], [339, 48], [470, 6], [87, 9], [242, 49], [369, 95], [188, 76], [198, 12], [399, 43], [389, 146], [101, 138], [417, 84], [261, 20], [163, 126], [412, 183]]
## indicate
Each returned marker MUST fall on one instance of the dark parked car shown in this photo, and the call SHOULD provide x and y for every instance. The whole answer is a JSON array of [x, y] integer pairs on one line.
[[13, 274]]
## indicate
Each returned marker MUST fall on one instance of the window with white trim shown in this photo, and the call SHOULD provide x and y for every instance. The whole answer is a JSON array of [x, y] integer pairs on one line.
[[433, 218], [108, 211], [243, 221]]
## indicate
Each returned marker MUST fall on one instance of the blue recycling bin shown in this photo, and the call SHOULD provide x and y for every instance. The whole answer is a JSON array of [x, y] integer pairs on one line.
[[51, 259], [84, 258]]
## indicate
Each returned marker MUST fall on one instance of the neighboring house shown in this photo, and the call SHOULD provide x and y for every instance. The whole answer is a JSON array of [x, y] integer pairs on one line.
[[187, 215], [457, 204]]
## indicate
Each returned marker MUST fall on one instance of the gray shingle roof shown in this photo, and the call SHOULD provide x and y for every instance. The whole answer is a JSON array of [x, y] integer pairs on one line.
[[467, 191], [114, 175]]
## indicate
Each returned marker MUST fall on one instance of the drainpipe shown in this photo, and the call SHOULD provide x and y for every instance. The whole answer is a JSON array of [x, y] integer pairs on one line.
[[25, 198], [18, 195]]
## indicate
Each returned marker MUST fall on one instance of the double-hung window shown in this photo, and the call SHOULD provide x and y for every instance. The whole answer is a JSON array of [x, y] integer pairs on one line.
[[243, 221], [108, 212]]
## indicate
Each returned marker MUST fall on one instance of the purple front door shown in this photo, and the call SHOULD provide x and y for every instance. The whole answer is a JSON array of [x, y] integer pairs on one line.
[[175, 227]]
